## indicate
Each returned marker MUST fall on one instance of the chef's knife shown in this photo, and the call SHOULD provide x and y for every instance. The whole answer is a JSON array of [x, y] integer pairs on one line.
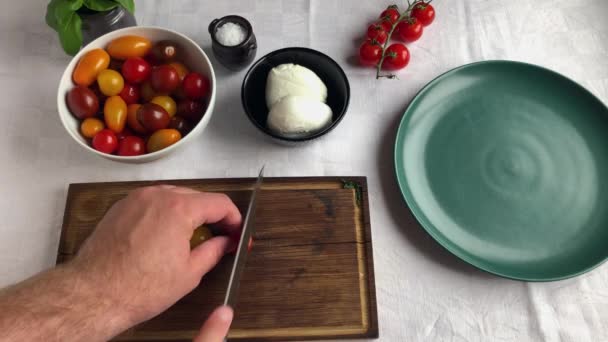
[[241, 252]]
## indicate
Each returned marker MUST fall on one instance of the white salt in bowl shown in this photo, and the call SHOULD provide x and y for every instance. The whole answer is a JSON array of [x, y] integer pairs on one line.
[[192, 56]]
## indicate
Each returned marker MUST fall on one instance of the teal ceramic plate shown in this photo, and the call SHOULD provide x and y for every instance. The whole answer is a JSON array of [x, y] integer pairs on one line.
[[505, 164]]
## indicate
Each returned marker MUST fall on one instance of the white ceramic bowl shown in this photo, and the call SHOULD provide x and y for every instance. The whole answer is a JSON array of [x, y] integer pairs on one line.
[[193, 57]]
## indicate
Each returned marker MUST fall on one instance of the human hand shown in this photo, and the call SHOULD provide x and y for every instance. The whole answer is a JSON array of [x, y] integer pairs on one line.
[[139, 255]]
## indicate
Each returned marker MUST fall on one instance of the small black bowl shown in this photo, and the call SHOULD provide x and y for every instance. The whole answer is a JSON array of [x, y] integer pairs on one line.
[[253, 91]]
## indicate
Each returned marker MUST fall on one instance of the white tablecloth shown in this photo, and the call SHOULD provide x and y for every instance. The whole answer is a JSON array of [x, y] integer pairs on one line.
[[423, 292]]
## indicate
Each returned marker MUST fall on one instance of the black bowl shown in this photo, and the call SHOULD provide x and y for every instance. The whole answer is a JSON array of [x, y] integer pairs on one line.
[[253, 92]]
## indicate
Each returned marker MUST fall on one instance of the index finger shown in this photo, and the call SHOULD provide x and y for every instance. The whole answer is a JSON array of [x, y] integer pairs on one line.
[[209, 207]]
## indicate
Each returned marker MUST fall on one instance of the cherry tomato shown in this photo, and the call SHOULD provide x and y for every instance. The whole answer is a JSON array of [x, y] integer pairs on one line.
[[164, 79], [425, 13], [386, 25], [410, 29], [196, 86], [153, 117], [165, 51], [391, 13], [181, 69], [370, 53], [131, 146], [126, 132], [146, 91], [115, 113], [396, 57], [132, 119], [377, 32], [91, 126], [82, 102], [105, 141], [130, 94], [89, 65], [180, 124], [129, 46], [200, 235], [191, 110], [136, 70], [166, 102], [110, 82], [236, 238], [163, 138]]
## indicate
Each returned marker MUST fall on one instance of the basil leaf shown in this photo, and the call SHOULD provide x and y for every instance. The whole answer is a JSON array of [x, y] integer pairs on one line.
[[50, 18], [65, 9], [70, 34], [100, 5], [129, 5]]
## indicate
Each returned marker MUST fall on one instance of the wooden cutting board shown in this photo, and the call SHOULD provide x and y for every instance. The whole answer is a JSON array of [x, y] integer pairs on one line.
[[310, 274]]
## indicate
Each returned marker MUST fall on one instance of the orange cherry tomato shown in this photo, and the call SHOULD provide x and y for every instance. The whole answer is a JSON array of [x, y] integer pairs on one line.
[[110, 82], [181, 69], [200, 235], [163, 138], [167, 103], [115, 113], [91, 126], [132, 121], [89, 66], [129, 46]]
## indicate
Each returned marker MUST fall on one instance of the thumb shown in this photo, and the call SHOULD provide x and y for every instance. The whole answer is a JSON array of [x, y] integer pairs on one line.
[[216, 327]]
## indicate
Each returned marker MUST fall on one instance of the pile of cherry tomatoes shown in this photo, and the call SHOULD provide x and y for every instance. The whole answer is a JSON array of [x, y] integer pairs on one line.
[[407, 27], [135, 97]]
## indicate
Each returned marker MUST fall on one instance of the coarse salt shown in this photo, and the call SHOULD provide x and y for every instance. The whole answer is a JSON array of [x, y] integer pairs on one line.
[[230, 34]]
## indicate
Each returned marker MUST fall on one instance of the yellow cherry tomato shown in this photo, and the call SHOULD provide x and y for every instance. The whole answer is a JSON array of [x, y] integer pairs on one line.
[[89, 66], [132, 121], [91, 126], [166, 102], [115, 113], [163, 138], [181, 69], [129, 46], [200, 235], [110, 82]]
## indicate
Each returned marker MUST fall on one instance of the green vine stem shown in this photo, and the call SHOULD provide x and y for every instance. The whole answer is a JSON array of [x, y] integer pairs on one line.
[[404, 15]]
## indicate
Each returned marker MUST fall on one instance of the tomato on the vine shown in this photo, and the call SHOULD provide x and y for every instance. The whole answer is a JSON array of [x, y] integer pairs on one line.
[[377, 32], [396, 57], [370, 53], [391, 14], [386, 25], [424, 12], [410, 29]]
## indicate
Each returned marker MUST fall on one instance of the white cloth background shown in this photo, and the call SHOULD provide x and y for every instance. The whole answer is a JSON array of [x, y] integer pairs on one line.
[[424, 293]]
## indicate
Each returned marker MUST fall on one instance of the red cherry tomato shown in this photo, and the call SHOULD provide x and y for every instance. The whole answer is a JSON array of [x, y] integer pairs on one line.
[[126, 132], [410, 30], [105, 141], [236, 237], [396, 57], [196, 86], [191, 110], [370, 53], [377, 32], [82, 102], [132, 146], [135, 70], [130, 94], [153, 117], [164, 79], [391, 14], [386, 25], [425, 13]]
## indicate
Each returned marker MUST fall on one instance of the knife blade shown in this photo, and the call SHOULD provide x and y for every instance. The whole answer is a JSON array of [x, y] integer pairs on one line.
[[241, 252]]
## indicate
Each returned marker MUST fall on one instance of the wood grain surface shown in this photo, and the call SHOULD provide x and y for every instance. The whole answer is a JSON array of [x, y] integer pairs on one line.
[[309, 276]]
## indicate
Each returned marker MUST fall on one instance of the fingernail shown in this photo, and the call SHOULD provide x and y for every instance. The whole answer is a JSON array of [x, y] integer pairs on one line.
[[225, 313]]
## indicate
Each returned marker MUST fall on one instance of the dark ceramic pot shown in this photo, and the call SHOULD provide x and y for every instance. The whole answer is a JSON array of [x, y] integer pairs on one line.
[[96, 24], [234, 57]]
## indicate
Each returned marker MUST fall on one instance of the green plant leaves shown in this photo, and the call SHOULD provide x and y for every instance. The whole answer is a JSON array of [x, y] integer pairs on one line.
[[100, 5], [70, 34], [129, 5]]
